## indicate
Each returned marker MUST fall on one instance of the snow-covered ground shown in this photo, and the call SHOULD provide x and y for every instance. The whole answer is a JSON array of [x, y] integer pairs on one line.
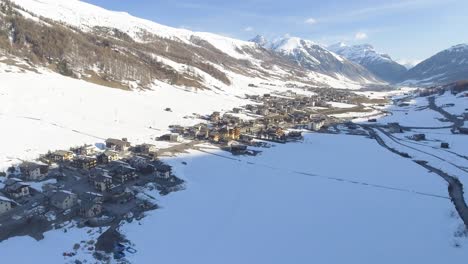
[[460, 104], [417, 114], [25, 250], [292, 205]]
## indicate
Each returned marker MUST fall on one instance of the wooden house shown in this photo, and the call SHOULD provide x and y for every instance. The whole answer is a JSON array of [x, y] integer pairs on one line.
[[31, 171]]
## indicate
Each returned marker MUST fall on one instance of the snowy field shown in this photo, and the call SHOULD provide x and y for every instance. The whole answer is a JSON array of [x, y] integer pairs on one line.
[[291, 205], [417, 114]]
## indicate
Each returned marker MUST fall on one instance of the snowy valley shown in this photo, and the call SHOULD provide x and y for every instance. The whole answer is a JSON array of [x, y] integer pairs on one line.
[[173, 146]]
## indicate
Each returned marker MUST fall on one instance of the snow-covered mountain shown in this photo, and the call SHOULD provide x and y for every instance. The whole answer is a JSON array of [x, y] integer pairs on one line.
[[119, 50], [312, 56], [382, 65], [446, 66]]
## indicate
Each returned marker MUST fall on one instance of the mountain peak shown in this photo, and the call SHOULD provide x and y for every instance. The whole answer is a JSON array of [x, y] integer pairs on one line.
[[260, 40]]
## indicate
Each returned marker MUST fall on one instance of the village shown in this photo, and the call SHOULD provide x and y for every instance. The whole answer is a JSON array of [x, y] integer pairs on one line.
[[101, 185], [277, 118], [96, 187]]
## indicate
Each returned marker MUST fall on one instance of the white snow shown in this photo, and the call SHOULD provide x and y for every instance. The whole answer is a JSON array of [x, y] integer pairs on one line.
[[290, 205]]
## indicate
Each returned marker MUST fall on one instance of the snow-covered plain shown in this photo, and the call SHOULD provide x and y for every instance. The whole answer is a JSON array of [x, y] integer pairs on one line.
[[292, 205]]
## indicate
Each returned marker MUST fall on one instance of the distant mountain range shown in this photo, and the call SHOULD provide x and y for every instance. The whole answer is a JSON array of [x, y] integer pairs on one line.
[[382, 65], [314, 57]]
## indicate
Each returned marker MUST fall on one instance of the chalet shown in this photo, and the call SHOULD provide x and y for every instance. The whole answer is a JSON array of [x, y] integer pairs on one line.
[[394, 128], [63, 199], [139, 163], [102, 181], [164, 172], [18, 190], [238, 149], [61, 156], [107, 156], [90, 204], [33, 171], [5, 204], [146, 149], [86, 150], [83, 162], [295, 135], [117, 144], [122, 172]]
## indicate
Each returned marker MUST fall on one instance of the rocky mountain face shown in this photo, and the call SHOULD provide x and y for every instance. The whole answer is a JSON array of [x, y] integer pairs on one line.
[[314, 57], [446, 66], [382, 65]]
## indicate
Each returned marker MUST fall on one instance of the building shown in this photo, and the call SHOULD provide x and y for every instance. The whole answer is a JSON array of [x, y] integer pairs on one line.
[[463, 130], [18, 190], [90, 204], [83, 162], [117, 144], [148, 149], [101, 181], [31, 171], [61, 156], [419, 137], [316, 125], [5, 204], [164, 171], [107, 156], [64, 199], [174, 137], [238, 149], [394, 128], [121, 172], [86, 150]]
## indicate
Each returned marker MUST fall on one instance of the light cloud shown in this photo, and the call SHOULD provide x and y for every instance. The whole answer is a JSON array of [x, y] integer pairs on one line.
[[249, 29], [360, 36], [402, 5], [311, 21]]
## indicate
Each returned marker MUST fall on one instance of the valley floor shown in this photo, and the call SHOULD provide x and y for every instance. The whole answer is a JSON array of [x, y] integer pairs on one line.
[[332, 198]]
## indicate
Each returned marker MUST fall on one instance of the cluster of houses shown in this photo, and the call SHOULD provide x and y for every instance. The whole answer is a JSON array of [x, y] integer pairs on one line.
[[108, 172], [270, 119]]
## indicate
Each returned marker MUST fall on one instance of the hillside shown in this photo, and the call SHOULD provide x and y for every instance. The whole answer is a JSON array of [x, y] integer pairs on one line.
[[118, 50], [446, 66]]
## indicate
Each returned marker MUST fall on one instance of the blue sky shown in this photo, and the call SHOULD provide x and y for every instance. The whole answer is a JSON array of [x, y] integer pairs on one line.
[[405, 29]]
